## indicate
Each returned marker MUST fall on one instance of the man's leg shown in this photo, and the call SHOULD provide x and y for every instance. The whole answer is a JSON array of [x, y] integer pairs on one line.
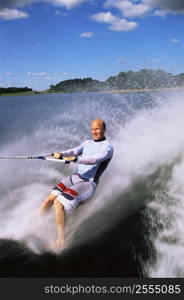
[[47, 202], [60, 223], [53, 195]]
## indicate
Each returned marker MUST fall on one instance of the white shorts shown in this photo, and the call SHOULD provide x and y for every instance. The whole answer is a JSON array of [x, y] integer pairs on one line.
[[73, 191]]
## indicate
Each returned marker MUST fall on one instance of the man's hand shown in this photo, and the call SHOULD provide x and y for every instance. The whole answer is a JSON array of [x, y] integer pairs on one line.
[[75, 159], [57, 155], [70, 159]]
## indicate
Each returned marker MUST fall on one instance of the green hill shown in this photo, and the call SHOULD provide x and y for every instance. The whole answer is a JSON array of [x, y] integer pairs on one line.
[[143, 79]]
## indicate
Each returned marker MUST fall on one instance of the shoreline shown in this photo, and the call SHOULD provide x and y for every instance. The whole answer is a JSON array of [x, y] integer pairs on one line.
[[143, 90], [120, 91]]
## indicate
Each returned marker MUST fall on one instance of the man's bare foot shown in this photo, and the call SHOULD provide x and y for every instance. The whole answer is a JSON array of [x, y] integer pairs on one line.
[[57, 245]]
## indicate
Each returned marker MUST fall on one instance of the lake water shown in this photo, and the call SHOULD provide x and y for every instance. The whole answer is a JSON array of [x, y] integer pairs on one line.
[[133, 226]]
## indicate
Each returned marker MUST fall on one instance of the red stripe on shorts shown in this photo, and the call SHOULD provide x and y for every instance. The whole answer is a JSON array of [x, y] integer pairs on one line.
[[67, 190]]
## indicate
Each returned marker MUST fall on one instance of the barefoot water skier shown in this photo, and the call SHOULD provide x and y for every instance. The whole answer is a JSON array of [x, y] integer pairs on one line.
[[66, 196]]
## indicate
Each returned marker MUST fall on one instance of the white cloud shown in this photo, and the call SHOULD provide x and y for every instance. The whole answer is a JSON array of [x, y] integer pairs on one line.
[[164, 7], [133, 8], [9, 11], [37, 74], [120, 60], [161, 13], [60, 74], [8, 74], [129, 8], [12, 14], [69, 4], [86, 34], [174, 40], [116, 24], [60, 13], [154, 60]]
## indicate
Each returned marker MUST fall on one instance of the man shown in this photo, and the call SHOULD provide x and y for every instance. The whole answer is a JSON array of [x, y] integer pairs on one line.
[[74, 190]]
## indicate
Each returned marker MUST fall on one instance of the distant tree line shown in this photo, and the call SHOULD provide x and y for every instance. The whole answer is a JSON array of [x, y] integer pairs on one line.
[[76, 85], [143, 79], [14, 90]]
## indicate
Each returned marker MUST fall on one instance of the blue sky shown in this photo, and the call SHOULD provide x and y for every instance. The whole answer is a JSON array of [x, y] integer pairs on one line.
[[43, 42]]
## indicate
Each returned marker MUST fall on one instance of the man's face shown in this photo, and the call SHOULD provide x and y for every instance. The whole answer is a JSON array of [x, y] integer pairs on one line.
[[97, 130]]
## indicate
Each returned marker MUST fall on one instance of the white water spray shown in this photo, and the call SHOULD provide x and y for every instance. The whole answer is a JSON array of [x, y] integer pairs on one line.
[[143, 140]]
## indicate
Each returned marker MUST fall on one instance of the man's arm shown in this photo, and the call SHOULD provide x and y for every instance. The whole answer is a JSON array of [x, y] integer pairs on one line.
[[70, 152], [96, 159]]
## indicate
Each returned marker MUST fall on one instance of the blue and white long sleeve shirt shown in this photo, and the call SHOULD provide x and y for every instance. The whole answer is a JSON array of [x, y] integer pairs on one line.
[[95, 157]]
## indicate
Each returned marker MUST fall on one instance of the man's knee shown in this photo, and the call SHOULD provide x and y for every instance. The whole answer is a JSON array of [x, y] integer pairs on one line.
[[52, 197], [58, 204], [47, 203]]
